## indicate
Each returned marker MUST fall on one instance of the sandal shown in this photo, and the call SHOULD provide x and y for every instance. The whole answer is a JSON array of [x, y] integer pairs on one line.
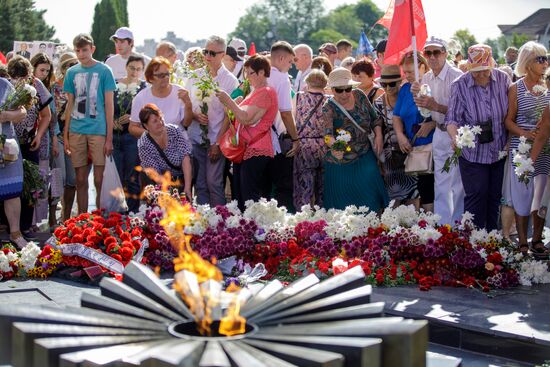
[[524, 249], [539, 250], [18, 239]]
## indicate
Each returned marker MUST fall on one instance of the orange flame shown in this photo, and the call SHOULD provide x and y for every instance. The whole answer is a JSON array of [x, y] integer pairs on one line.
[[176, 217]]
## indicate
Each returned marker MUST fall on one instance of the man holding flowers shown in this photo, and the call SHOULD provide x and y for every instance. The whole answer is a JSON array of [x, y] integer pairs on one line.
[[208, 117]]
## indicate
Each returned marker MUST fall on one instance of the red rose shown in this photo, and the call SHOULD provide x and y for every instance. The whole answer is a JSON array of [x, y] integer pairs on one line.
[[105, 232], [127, 244], [78, 239], [113, 248]]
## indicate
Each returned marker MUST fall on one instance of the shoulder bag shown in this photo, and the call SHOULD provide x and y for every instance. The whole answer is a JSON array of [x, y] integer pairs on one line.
[[179, 175], [232, 146], [419, 161], [9, 149]]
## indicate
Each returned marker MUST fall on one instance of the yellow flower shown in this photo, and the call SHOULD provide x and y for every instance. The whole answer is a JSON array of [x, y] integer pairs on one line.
[[348, 149]]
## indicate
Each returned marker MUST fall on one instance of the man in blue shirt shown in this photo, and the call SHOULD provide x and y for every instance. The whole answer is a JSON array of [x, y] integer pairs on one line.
[[89, 113]]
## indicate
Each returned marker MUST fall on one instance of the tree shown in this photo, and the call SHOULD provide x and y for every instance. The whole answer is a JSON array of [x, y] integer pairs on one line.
[[516, 40], [109, 15], [271, 20], [496, 50], [465, 38], [21, 21]]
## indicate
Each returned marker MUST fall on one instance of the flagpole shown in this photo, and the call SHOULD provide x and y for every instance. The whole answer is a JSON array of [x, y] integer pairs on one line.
[[413, 40]]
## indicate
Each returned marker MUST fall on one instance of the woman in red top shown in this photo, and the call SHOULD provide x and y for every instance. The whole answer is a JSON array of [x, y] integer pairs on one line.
[[255, 114]]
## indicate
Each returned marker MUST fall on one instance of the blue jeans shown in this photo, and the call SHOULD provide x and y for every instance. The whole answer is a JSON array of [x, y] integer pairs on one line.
[[125, 154]]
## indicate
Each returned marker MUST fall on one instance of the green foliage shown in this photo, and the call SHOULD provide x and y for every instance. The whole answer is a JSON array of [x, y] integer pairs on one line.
[[497, 55], [516, 40], [302, 21], [21, 21], [465, 38], [109, 15]]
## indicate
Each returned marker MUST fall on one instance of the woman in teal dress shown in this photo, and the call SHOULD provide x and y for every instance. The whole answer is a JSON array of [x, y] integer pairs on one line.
[[352, 176]]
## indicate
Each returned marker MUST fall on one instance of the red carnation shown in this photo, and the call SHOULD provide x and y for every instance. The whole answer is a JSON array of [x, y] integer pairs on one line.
[[117, 257], [105, 232], [77, 239], [136, 244], [126, 253], [110, 240], [127, 244], [136, 232], [125, 236]]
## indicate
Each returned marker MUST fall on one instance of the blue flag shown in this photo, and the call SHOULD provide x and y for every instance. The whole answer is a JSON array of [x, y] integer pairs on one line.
[[364, 47]]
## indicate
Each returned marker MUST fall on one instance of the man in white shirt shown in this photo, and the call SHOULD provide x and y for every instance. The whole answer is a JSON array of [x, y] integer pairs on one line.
[[282, 56], [205, 128], [302, 61], [124, 45], [449, 193]]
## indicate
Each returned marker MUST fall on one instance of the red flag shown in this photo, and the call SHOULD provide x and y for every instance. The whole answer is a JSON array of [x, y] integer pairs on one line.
[[2, 58], [403, 29], [386, 19], [252, 49]]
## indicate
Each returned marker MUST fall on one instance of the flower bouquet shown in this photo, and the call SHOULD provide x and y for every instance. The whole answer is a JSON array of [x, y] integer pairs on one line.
[[23, 96], [34, 185], [31, 261], [340, 144], [465, 138], [523, 163], [125, 95]]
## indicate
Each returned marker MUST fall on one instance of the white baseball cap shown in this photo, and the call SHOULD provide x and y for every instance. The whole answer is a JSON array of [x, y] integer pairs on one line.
[[238, 44], [123, 33]]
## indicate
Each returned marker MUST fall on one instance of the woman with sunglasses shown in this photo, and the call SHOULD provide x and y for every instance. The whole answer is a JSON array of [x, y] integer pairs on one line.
[[171, 99], [527, 99], [125, 153], [351, 173], [255, 115], [402, 188], [411, 128]]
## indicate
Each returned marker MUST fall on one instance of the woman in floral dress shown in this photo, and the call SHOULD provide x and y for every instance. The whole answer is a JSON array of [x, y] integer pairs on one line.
[[308, 162]]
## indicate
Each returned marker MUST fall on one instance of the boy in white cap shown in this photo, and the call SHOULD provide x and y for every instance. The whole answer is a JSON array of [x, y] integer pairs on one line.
[[124, 45]]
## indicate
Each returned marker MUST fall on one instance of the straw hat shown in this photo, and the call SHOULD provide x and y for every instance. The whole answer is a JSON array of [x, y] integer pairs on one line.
[[67, 58], [340, 77], [390, 73]]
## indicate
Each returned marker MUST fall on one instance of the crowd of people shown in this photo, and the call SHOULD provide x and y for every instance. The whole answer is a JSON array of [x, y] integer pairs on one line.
[[345, 131]]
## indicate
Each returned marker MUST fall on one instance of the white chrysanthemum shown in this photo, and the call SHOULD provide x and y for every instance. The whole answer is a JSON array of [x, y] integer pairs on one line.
[[533, 272], [4, 263], [31, 90], [266, 214], [465, 137], [344, 136], [479, 236], [524, 146], [28, 256], [523, 164], [502, 154], [425, 234]]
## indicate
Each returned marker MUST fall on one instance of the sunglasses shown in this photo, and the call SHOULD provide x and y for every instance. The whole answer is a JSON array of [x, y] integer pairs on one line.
[[161, 75], [211, 53], [434, 53], [342, 90], [541, 59], [390, 84]]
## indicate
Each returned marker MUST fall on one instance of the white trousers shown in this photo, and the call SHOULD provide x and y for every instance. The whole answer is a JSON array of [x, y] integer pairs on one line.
[[449, 193]]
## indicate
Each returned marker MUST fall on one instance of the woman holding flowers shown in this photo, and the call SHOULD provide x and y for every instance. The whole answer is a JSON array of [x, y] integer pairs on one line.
[[255, 114], [478, 105], [11, 175], [171, 99], [351, 173], [527, 99], [125, 151], [31, 130]]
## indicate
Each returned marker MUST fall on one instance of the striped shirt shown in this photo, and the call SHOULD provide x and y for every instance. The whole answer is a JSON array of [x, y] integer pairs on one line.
[[471, 104]]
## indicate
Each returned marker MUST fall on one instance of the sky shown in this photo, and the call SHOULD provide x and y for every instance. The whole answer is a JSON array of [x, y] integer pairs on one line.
[[192, 19]]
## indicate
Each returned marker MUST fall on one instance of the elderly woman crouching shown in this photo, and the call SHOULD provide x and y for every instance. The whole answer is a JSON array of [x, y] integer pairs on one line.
[[164, 148]]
